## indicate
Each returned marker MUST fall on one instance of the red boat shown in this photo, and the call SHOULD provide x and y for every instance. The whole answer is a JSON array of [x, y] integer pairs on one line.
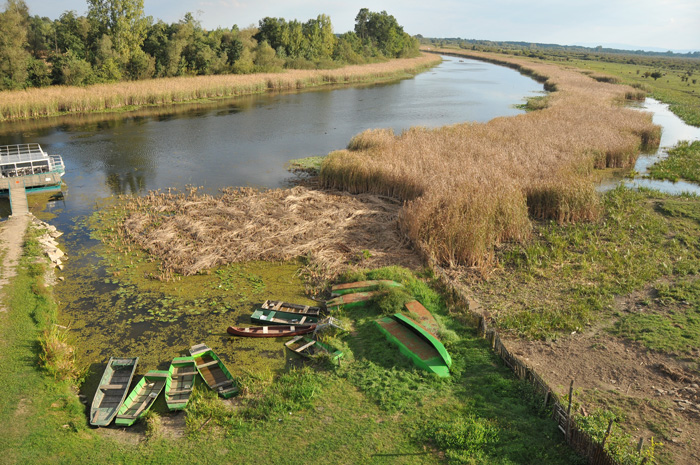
[[271, 331]]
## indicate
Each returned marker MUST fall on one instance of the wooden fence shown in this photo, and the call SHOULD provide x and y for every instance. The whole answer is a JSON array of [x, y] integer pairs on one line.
[[579, 440]]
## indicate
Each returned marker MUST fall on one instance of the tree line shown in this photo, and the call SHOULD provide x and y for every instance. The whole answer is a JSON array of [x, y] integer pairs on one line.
[[115, 41]]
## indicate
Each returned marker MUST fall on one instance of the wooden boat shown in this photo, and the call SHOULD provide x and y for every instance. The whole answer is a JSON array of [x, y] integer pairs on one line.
[[213, 371], [142, 397], [424, 350], [286, 307], [271, 331], [309, 348], [112, 390], [356, 299], [178, 387], [424, 317], [268, 317], [361, 286]]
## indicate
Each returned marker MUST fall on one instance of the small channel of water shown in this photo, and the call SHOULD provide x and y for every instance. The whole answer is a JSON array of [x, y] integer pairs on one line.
[[673, 131]]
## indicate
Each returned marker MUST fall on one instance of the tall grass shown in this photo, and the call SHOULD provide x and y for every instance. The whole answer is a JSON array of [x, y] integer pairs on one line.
[[50, 101], [469, 187]]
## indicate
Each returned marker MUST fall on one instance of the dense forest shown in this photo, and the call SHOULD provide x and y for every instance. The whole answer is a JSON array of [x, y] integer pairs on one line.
[[117, 42]]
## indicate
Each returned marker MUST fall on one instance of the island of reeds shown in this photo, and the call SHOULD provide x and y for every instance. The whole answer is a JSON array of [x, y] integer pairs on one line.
[[469, 187]]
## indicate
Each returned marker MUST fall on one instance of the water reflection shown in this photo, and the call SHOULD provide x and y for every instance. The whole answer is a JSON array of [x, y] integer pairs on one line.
[[673, 131], [247, 142]]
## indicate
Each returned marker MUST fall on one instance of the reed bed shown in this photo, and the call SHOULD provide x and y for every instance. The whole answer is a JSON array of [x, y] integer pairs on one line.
[[192, 232], [55, 100], [469, 187]]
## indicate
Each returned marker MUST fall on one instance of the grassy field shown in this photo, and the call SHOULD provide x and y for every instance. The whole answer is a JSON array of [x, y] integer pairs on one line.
[[683, 162], [373, 408]]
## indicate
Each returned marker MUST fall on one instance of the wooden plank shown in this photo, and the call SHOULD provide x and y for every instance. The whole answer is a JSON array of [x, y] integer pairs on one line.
[[112, 386], [305, 346], [208, 364]]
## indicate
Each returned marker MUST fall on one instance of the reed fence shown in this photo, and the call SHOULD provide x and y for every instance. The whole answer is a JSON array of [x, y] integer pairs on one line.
[[560, 408]]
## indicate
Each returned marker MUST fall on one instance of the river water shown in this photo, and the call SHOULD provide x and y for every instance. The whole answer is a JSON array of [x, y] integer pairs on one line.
[[247, 142]]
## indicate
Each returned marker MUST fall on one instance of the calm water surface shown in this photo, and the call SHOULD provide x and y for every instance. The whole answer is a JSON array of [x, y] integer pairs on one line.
[[673, 131], [247, 142]]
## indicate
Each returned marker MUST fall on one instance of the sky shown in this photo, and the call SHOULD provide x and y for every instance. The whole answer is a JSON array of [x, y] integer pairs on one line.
[[628, 24]]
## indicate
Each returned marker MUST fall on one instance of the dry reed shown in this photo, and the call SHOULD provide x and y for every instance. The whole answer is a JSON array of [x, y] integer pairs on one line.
[[471, 186], [55, 100], [193, 232]]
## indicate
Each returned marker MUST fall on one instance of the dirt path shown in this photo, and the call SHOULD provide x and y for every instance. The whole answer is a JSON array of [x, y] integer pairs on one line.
[[659, 396], [11, 239]]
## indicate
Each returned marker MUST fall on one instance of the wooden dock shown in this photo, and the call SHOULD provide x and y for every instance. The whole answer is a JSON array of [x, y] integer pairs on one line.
[[18, 199], [17, 189]]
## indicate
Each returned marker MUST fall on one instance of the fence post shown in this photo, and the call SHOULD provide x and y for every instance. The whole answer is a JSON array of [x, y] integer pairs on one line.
[[568, 410], [607, 433]]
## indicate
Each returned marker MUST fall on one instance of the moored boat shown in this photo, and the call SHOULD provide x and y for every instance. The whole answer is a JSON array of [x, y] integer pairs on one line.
[[112, 390], [362, 286], [424, 317], [267, 317], [142, 397], [279, 306], [416, 343], [309, 348], [271, 331], [355, 299], [213, 371], [178, 387], [31, 166]]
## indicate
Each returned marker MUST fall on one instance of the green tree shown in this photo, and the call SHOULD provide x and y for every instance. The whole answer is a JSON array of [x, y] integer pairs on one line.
[[123, 21], [14, 57]]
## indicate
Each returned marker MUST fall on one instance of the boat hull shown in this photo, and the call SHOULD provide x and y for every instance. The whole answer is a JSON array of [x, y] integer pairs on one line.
[[272, 317], [309, 348], [213, 371], [142, 397], [112, 390], [271, 331], [286, 307], [178, 388]]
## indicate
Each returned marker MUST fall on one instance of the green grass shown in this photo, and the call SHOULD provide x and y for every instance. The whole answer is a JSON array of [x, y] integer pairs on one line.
[[683, 162], [376, 408], [569, 275]]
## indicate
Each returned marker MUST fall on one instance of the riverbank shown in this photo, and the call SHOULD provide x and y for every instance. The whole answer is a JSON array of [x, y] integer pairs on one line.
[[126, 96]]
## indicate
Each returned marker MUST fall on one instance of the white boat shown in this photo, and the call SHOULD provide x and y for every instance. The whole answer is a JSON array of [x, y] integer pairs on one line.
[[29, 166]]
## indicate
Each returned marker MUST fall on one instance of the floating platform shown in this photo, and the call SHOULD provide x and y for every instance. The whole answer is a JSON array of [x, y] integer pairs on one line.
[[424, 350]]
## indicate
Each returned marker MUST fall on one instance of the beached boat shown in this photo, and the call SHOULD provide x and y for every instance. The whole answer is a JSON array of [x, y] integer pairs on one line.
[[213, 371], [279, 306], [268, 317], [309, 348], [356, 299], [416, 343], [423, 317], [142, 397], [362, 286], [178, 387], [30, 166], [112, 390], [270, 331]]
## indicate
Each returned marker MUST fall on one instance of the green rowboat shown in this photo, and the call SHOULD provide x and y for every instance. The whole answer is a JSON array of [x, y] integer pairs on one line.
[[416, 343], [309, 348], [272, 317], [213, 371], [361, 286], [356, 299], [178, 387], [112, 390], [142, 397]]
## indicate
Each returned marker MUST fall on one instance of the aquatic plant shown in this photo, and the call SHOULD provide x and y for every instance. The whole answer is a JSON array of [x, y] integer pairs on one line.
[[469, 187]]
